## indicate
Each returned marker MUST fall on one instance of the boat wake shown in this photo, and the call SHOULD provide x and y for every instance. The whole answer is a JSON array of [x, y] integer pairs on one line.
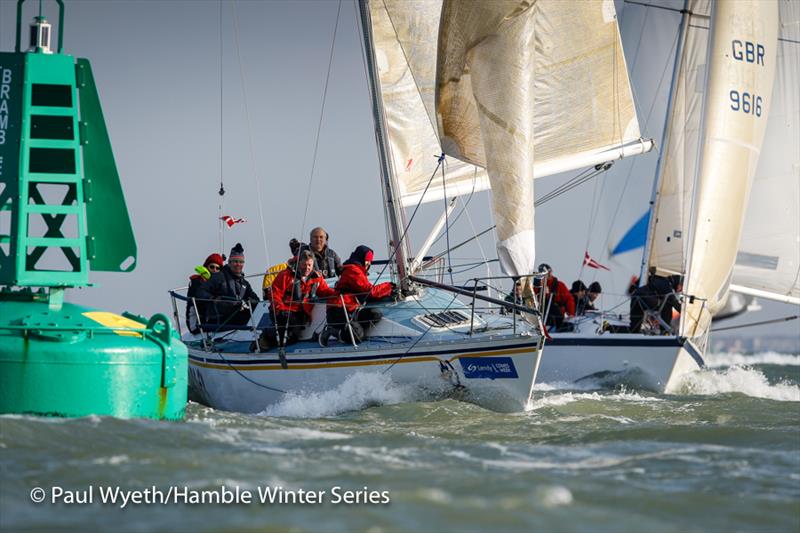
[[714, 360], [738, 379], [359, 391]]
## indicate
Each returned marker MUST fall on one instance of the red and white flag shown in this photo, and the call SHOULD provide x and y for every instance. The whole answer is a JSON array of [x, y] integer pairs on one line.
[[230, 221], [591, 263]]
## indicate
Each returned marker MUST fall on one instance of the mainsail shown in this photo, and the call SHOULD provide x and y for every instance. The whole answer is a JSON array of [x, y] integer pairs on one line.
[[737, 102], [768, 261], [573, 102]]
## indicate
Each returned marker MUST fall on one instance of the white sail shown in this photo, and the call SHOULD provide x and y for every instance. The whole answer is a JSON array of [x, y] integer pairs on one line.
[[406, 34], [670, 225], [516, 79], [768, 261], [737, 102]]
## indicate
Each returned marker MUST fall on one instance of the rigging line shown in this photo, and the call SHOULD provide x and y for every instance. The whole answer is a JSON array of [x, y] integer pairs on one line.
[[446, 222], [411, 219], [221, 203], [761, 323], [321, 115], [646, 122], [665, 8], [227, 362], [243, 79], [537, 203], [463, 207], [558, 191], [592, 216], [480, 247], [580, 179]]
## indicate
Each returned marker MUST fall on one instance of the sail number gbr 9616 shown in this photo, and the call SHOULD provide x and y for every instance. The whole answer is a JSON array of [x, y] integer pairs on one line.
[[747, 52]]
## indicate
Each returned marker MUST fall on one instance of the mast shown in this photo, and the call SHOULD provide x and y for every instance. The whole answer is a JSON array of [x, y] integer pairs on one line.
[[657, 182], [398, 246]]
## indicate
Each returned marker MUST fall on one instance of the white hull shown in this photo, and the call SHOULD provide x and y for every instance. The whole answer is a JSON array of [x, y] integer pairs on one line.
[[649, 362], [495, 372]]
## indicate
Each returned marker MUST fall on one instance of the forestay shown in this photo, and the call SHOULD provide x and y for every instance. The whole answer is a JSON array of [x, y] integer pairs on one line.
[[768, 262], [737, 103]]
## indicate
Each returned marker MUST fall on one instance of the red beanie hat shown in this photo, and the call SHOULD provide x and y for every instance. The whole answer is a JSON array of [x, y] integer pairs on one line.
[[213, 258]]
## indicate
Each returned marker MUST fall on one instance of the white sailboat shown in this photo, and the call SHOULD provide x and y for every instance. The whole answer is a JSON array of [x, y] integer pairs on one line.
[[720, 98], [428, 81]]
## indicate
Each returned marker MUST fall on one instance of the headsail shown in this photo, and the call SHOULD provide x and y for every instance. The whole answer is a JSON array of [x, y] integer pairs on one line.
[[517, 78], [768, 261], [737, 103], [670, 225]]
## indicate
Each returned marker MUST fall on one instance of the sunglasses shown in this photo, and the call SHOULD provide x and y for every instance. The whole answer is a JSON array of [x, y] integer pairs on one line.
[[213, 267], [236, 261]]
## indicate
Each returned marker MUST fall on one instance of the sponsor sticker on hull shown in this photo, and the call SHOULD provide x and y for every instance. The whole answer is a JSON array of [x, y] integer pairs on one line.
[[488, 368]]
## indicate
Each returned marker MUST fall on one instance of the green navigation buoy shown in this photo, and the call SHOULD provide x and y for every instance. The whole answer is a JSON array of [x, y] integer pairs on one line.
[[62, 213]]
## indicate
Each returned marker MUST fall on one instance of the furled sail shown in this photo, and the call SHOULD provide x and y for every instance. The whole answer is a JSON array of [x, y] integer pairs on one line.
[[670, 225], [406, 33], [517, 78], [768, 261], [737, 102]]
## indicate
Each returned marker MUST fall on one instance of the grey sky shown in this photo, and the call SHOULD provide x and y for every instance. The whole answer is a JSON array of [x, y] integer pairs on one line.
[[157, 66]]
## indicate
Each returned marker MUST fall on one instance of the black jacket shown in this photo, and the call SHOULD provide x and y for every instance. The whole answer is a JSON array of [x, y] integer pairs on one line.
[[229, 292], [195, 282]]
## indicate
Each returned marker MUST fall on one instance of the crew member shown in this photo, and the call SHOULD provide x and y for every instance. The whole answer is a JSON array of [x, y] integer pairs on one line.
[[347, 319], [578, 293], [293, 292], [212, 264], [557, 297], [326, 261], [592, 295], [658, 297], [233, 298]]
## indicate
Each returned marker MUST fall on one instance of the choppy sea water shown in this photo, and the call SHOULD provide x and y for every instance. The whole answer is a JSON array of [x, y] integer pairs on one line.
[[723, 454]]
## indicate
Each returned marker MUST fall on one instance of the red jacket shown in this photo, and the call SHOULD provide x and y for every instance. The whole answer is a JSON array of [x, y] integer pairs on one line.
[[284, 301], [354, 287], [561, 295]]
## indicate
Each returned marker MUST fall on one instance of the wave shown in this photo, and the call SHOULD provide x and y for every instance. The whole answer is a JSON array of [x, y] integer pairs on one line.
[[554, 400], [360, 390], [714, 360], [737, 379]]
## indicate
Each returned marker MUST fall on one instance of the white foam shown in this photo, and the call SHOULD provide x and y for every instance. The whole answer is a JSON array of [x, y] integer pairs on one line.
[[714, 360], [113, 460], [743, 380], [554, 496], [555, 400], [360, 390]]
